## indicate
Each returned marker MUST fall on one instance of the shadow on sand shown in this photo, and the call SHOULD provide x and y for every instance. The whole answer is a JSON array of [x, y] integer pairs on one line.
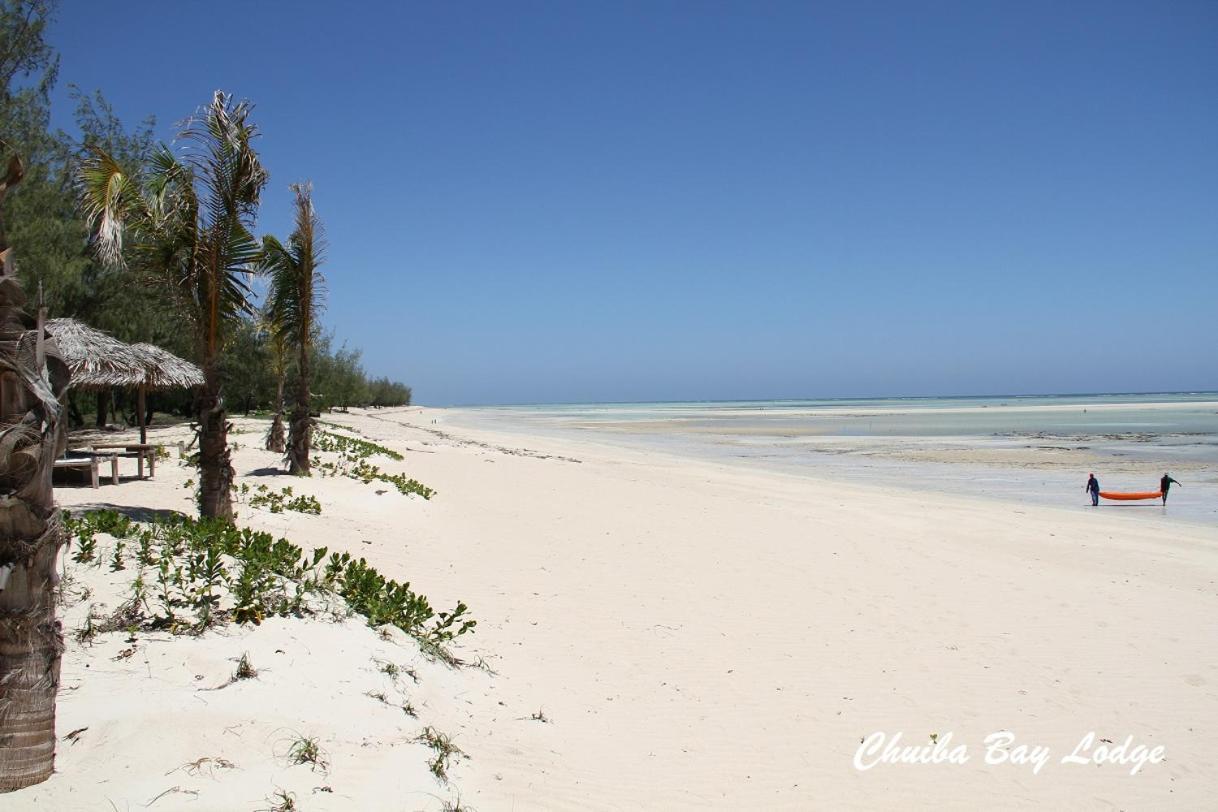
[[138, 514], [267, 472]]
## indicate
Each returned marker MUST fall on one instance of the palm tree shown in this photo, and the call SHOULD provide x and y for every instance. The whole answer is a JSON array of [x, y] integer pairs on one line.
[[294, 302], [186, 224], [275, 440], [32, 382]]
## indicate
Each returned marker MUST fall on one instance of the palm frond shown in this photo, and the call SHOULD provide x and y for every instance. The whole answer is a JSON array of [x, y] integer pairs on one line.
[[109, 199], [187, 220]]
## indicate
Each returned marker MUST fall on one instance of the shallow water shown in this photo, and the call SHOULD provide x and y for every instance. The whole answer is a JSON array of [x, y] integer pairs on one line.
[[1037, 449]]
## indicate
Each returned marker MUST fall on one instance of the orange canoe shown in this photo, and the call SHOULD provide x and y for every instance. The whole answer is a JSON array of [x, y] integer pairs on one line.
[[1131, 496]]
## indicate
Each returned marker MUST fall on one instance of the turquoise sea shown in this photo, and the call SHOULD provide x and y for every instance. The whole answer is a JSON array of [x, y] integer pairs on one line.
[[1037, 448]]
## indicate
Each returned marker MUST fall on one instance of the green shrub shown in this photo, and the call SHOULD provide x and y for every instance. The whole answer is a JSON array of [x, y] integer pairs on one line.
[[352, 447], [281, 500], [353, 463], [210, 571]]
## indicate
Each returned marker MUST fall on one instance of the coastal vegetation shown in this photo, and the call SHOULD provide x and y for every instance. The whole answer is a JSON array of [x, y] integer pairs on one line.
[[189, 575], [443, 749], [57, 259], [353, 463], [159, 244]]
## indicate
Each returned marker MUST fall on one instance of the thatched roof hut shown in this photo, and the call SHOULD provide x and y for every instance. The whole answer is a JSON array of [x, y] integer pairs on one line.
[[98, 360], [166, 370]]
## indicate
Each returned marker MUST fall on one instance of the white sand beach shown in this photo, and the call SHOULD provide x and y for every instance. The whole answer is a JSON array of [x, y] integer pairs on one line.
[[662, 633]]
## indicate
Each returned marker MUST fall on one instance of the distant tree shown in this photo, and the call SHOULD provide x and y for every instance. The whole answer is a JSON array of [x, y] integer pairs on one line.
[[384, 392], [350, 385], [45, 234], [294, 305], [186, 225], [245, 366]]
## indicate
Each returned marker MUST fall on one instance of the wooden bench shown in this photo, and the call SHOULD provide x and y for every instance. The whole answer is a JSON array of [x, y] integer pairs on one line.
[[80, 462], [100, 456]]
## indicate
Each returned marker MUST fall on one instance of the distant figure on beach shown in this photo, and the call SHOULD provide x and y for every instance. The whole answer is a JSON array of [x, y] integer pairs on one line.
[[1165, 483], [1093, 488]]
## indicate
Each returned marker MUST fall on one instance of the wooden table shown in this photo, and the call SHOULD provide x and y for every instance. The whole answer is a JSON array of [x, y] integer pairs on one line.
[[140, 451]]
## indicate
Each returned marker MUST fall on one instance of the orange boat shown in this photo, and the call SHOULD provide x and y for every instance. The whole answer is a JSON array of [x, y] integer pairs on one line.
[[1129, 497]]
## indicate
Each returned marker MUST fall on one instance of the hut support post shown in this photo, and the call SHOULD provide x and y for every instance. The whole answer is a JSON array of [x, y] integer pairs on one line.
[[139, 413]]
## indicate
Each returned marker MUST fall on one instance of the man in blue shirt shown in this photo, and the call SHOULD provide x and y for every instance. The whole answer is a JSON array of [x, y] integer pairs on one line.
[[1093, 488]]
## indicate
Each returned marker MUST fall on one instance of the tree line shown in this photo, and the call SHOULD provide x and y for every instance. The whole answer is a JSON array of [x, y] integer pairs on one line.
[[55, 254], [154, 244]]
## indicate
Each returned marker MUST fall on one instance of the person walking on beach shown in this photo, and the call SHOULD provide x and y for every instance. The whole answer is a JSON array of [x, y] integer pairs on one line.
[[1093, 488], [1165, 484]]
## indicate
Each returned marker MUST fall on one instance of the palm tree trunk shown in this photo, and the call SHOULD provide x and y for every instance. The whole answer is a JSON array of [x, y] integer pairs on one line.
[[32, 379], [274, 437], [215, 462], [298, 439]]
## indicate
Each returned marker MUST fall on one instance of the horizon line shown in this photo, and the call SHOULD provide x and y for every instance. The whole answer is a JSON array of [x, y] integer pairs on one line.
[[812, 399]]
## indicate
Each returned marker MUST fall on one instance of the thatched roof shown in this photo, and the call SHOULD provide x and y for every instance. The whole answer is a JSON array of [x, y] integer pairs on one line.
[[168, 371], [97, 359], [94, 358]]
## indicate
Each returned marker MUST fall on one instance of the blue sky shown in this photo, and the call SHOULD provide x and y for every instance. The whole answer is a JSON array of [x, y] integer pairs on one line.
[[577, 201]]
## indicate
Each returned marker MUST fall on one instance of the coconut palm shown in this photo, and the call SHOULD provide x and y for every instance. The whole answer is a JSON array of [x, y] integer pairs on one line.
[[186, 224], [277, 344], [32, 381], [294, 304]]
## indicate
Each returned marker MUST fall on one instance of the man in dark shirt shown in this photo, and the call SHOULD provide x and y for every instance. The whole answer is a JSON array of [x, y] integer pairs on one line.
[[1093, 488], [1165, 483]]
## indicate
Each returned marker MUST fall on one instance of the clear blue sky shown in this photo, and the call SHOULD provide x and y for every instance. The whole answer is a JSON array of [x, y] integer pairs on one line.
[[578, 201]]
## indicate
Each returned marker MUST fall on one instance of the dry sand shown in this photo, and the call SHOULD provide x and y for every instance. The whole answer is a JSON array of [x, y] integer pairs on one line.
[[696, 635]]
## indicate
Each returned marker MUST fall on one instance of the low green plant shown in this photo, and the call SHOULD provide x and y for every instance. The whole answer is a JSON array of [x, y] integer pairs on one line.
[[352, 447], [104, 521], [86, 548], [245, 668], [208, 571], [87, 631], [281, 500], [353, 463], [306, 750], [116, 560], [282, 801], [204, 572], [367, 473], [455, 805], [445, 752], [385, 601]]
